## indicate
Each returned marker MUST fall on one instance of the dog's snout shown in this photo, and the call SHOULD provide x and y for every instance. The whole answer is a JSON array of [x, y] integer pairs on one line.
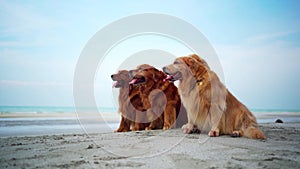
[[112, 76], [130, 72], [164, 69]]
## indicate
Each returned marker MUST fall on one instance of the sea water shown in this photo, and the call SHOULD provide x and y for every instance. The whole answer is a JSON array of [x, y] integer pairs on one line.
[[50, 109], [43, 125], [40, 121]]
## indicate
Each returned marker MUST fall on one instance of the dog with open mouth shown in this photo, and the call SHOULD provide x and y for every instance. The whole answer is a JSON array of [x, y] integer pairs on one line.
[[129, 102], [211, 108], [160, 98]]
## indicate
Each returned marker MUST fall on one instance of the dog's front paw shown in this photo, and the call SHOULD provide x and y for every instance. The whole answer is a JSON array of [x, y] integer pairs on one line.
[[190, 128], [120, 129], [149, 128], [166, 127], [196, 130], [235, 134], [213, 133]]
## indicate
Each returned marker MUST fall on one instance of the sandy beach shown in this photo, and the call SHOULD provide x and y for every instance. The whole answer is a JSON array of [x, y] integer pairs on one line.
[[154, 149]]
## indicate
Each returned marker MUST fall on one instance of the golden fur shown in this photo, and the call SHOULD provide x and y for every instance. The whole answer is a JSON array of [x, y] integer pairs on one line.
[[129, 102], [160, 98], [210, 106]]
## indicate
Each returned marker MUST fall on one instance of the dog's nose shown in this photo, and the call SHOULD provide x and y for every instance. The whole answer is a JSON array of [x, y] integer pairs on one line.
[[112, 76], [130, 72], [164, 69]]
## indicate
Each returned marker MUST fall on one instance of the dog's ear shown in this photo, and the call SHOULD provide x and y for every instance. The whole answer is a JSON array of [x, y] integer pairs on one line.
[[190, 62], [196, 57], [144, 66], [161, 75], [155, 74], [200, 60], [124, 74]]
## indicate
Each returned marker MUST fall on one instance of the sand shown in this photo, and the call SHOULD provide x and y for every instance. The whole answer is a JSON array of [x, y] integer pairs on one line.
[[154, 149]]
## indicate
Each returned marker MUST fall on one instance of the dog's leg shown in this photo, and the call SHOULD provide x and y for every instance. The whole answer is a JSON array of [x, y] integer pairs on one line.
[[169, 117], [217, 107], [136, 126], [121, 126], [155, 122], [124, 125], [138, 119], [141, 121], [151, 119], [215, 130], [216, 119]]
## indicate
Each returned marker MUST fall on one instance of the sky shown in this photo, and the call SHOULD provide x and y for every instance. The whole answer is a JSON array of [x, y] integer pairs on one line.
[[257, 43]]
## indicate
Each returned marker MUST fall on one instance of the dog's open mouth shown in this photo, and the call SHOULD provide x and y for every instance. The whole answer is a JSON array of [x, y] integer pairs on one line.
[[138, 80], [174, 77], [117, 84]]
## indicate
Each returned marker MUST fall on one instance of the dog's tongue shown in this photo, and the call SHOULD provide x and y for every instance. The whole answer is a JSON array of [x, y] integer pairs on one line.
[[114, 85], [168, 78], [133, 81]]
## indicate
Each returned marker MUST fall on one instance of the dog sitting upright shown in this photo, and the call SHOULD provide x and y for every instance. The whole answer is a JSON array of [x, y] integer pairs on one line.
[[160, 98], [129, 102], [210, 106]]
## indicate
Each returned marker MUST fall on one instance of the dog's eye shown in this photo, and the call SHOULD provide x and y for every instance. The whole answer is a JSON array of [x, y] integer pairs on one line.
[[176, 62]]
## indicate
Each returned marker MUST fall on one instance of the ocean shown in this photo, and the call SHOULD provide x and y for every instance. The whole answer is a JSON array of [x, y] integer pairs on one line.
[[46, 120], [49, 109], [70, 109], [49, 120]]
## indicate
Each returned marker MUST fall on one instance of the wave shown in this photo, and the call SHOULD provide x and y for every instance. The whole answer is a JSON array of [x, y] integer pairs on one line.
[[50, 109]]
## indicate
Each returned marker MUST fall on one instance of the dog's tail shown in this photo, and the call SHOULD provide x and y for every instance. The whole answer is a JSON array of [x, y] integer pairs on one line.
[[254, 133]]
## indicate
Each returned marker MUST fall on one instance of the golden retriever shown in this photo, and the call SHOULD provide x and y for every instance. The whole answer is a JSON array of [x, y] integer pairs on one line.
[[129, 102], [160, 98], [210, 106]]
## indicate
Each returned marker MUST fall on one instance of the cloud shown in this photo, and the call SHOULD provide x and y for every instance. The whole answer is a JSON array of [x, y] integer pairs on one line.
[[24, 25], [15, 44], [262, 75], [270, 59], [30, 83], [270, 36], [23, 17]]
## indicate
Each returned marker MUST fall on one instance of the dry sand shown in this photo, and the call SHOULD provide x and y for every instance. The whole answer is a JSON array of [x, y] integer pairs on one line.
[[154, 149]]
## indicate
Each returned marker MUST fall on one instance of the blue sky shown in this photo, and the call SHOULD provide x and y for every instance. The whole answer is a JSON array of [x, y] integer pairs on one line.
[[257, 42]]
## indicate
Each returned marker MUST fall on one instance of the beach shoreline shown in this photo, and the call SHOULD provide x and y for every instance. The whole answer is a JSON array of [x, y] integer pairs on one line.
[[34, 124], [30, 124]]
